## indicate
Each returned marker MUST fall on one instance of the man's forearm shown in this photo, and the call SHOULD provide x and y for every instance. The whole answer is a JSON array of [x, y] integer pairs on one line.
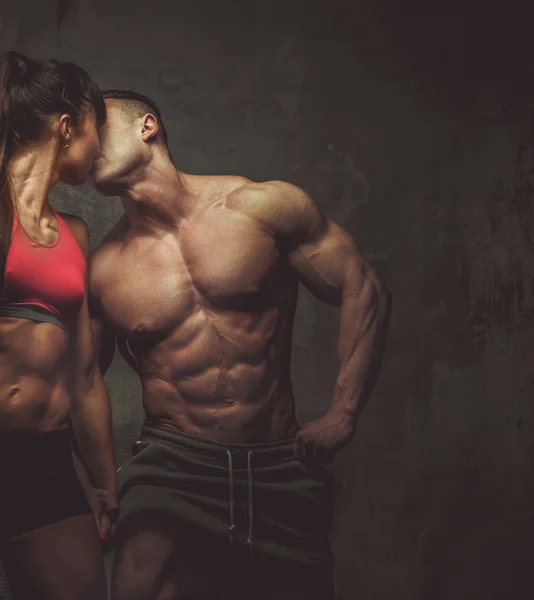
[[364, 324], [91, 421]]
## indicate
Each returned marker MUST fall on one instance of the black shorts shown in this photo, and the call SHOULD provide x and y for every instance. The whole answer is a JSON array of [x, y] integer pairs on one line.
[[256, 495], [250, 515], [38, 483]]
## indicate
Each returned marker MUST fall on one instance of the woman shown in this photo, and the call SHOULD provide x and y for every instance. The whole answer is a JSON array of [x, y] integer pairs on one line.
[[49, 545]]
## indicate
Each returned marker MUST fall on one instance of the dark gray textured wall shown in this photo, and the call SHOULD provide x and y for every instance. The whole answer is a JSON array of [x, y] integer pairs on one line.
[[409, 125]]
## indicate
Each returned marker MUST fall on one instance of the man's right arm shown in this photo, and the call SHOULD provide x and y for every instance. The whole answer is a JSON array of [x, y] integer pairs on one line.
[[105, 340], [105, 337]]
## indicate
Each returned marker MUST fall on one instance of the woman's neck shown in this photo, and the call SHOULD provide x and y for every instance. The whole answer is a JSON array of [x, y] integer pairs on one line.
[[33, 174]]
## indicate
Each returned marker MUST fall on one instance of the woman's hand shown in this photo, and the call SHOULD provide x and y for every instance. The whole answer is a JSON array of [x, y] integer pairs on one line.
[[105, 511]]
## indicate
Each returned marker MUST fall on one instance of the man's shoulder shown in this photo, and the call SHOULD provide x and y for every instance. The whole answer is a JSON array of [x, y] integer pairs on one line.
[[113, 238], [118, 230], [235, 187], [104, 258], [267, 190], [276, 204]]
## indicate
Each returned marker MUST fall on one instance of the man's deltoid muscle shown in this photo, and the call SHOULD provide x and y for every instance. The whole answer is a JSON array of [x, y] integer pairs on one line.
[[198, 285]]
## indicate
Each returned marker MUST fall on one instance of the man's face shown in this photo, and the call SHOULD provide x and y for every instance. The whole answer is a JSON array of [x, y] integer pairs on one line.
[[121, 151]]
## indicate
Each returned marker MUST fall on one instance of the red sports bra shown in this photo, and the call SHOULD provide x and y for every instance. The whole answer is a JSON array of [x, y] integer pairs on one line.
[[44, 282]]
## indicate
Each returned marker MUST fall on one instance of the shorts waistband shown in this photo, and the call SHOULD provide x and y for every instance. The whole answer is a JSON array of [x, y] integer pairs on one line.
[[263, 452]]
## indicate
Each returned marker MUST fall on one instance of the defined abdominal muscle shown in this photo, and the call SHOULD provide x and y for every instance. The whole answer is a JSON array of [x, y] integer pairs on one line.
[[213, 385]]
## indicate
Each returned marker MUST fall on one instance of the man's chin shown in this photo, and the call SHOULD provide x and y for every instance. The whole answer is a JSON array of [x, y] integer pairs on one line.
[[103, 186]]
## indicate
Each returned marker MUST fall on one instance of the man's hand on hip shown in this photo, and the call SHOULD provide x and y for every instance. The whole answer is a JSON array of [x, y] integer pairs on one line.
[[319, 440]]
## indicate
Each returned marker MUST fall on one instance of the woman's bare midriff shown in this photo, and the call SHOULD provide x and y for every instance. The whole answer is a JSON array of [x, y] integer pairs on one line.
[[33, 376]]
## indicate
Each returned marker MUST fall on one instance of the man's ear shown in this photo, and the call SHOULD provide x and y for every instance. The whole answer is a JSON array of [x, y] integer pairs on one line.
[[149, 127]]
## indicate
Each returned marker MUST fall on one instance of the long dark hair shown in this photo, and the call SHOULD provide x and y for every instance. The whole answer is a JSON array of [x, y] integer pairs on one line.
[[31, 91]]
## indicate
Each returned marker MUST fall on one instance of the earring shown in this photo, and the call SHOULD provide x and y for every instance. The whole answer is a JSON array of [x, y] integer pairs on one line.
[[65, 145]]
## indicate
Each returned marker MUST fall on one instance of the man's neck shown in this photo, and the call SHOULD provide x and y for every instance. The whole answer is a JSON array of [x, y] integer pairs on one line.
[[158, 198]]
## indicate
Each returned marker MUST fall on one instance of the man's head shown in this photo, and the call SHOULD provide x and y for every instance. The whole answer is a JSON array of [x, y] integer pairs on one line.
[[133, 133]]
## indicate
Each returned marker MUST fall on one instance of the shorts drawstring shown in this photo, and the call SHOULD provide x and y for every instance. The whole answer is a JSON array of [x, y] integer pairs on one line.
[[232, 526], [250, 502]]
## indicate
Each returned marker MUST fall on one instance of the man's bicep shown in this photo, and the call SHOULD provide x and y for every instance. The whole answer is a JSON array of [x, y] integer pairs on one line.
[[321, 252], [323, 261], [103, 332], [104, 341]]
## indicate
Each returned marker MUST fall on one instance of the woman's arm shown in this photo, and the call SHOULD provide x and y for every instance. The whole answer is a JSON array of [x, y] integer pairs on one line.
[[90, 405]]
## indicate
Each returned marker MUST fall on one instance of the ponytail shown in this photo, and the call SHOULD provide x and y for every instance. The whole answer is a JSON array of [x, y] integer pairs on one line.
[[10, 62]]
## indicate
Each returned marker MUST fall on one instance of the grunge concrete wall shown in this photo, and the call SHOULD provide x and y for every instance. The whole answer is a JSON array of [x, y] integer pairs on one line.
[[410, 125]]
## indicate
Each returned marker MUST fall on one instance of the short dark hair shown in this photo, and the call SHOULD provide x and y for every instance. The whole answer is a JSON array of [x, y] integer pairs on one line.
[[135, 106]]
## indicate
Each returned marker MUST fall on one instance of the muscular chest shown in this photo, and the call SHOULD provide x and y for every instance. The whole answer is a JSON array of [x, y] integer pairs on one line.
[[207, 264]]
